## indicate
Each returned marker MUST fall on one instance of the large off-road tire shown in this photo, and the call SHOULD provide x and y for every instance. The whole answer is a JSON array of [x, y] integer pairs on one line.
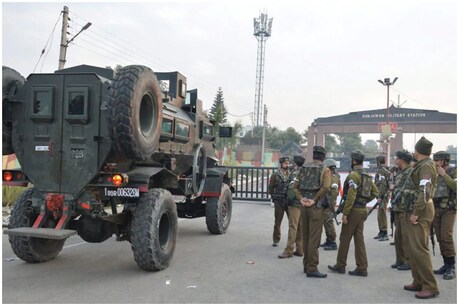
[[199, 171], [154, 230], [12, 81], [30, 249], [218, 211], [135, 112]]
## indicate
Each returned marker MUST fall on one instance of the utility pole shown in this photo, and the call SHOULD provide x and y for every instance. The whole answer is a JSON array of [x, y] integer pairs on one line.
[[63, 49], [265, 124], [64, 42]]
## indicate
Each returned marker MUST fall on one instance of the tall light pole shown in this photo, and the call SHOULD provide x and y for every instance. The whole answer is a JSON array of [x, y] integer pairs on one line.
[[388, 83]]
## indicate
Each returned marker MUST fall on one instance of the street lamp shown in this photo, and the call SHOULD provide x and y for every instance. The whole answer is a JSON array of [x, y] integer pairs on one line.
[[388, 83]]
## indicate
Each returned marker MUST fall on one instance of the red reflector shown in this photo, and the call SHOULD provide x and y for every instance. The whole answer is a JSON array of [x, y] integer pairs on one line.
[[7, 176], [117, 179], [85, 206]]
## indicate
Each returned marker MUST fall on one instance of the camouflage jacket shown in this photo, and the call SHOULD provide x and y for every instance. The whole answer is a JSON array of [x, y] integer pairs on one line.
[[355, 192], [420, 186], [382, 178], [278, 184], [445, 195], [304, 177], [399, 186]]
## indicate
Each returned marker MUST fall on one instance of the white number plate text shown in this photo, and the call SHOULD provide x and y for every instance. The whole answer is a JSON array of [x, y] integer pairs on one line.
[[122, 192]]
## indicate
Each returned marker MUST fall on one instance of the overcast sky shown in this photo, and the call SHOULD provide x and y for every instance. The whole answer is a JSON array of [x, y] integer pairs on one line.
[[323, 59]]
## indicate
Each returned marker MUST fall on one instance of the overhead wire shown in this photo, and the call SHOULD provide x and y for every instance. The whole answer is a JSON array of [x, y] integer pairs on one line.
[[414, 100], [44, 48], [120, 48]]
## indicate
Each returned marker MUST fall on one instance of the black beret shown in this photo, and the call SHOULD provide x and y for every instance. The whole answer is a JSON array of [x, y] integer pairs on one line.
[[381, 159], [299, 160], [319, 149], [284, 159], [357, 155], [442, 155], [404, 155]]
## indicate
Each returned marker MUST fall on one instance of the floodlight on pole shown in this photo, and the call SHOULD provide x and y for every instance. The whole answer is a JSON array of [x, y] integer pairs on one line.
[[388, 83]]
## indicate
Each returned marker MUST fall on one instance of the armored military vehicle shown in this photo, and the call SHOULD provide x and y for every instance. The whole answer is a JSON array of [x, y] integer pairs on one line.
[[121, 154]]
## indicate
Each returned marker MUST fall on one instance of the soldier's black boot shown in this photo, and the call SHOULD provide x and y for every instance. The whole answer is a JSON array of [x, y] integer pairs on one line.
[[442, 269], [326, 243], [450, 272], [378, 236], [384, 236], [331, 247]]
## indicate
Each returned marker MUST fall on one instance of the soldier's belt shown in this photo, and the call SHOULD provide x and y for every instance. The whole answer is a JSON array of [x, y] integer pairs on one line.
[[359, 204]]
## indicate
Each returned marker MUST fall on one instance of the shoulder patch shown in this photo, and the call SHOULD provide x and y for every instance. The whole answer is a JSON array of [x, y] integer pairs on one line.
[[352, 184]]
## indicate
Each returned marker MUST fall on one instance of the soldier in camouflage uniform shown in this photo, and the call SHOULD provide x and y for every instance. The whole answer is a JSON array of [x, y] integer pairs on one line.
[[332, 194], [402, 161], [445, 199], [294, 215], [310, 187], [359, 189], [417, 198], [277, 189], [382, 178]]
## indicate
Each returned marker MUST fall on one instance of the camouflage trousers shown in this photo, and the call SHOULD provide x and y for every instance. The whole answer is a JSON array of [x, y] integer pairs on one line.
[[444, 229]]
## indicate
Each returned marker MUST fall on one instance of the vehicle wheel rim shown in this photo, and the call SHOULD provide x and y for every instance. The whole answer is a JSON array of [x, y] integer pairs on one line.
[[146, 115], [165, 231]]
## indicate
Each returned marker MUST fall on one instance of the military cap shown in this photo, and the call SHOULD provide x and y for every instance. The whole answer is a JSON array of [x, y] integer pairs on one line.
[[319, 149], [404, 155], [357, 155], [442, 155], [330, 162], [284, 159], [424, 146], [381, 159], [299, 160]]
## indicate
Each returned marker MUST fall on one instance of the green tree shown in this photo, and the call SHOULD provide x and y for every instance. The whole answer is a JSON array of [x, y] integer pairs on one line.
[[275, 138], [218, 111], [451, 149], [330, 143], [349, 142], [370, 148]]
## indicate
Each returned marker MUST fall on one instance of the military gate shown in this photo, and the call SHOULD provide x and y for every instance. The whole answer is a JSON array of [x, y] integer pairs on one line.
[[402, 120]]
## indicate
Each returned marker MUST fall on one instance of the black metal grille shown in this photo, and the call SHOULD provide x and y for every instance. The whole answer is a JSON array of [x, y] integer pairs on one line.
[[251, 183]]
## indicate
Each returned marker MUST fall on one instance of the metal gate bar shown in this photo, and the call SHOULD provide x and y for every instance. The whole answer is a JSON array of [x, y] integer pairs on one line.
[[251, 183]]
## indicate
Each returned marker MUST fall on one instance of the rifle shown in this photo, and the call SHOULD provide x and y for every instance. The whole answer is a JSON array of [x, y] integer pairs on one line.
[[432, 238], [338, 211], [332, 208], [341, 204], [374, 206], [392, 220]]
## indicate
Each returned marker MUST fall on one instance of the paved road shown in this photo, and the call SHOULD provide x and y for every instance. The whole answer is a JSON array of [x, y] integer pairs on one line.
[[211, 269]]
